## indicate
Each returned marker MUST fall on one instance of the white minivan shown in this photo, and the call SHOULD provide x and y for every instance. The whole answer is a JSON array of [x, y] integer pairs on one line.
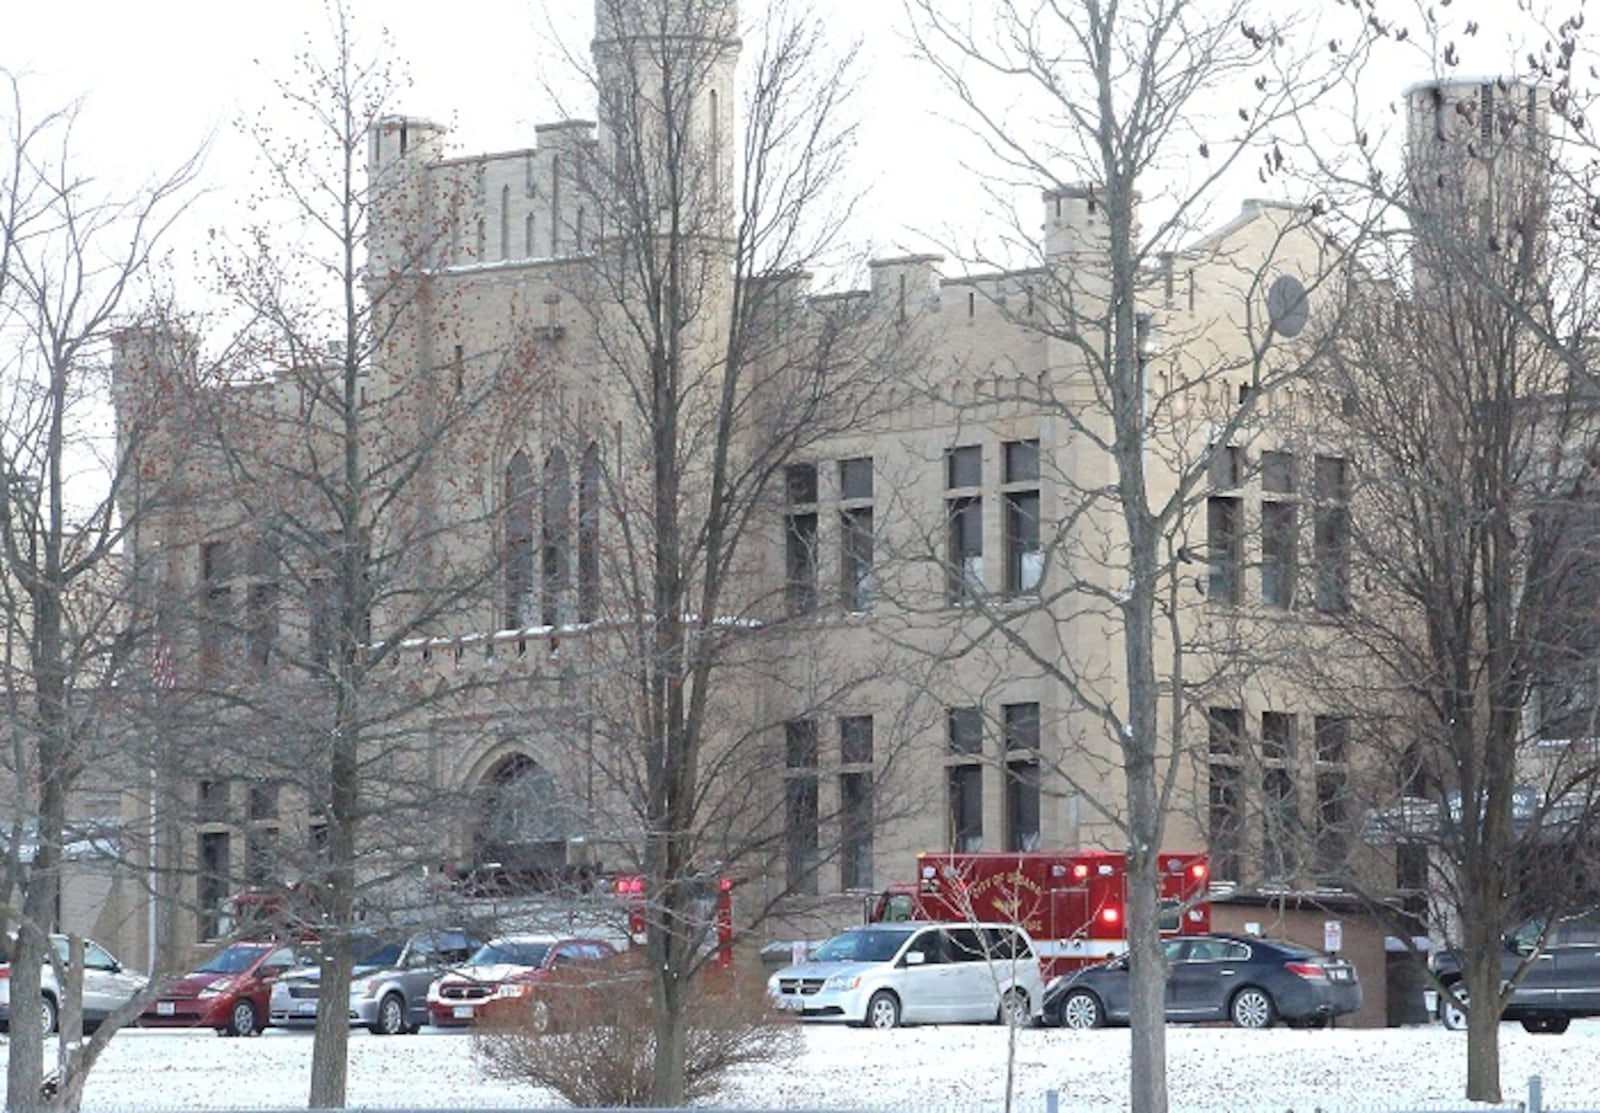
[[884, 975]]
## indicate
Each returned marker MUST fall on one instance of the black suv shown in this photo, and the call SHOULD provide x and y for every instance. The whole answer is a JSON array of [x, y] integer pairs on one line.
[[1562, 982]]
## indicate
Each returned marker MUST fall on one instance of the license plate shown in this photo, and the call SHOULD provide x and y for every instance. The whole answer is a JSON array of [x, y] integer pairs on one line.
[[165, 1008], [1339, 975], [786, 1002], [306, 1008], [462, 1012]]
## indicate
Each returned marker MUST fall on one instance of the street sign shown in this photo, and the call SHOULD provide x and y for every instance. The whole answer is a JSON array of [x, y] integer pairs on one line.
[[1332, 936]]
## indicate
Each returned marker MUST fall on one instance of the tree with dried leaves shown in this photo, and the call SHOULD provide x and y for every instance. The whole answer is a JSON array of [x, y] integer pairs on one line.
[[75, 262]]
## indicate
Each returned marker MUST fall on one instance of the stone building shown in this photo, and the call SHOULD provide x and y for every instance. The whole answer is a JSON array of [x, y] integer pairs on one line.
[[930, 586]]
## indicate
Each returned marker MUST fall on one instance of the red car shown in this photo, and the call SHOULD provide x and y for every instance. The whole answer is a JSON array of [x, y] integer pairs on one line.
[[503, 971], [229, 993]]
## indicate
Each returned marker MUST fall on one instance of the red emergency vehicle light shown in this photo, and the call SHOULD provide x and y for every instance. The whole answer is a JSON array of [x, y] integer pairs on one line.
[[627, 885], [1080, 871], [1110, 915]]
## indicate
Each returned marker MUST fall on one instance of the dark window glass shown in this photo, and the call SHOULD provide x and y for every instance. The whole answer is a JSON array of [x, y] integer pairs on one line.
[[800, 800], [1279, 541], [1277, 473], [855, 478], [1024, 561], [855, 827], [966, 807], [800, 483], [1022, 805], [964, 466], [801, 558], [855, 559], [1021, 461], [1021, 726], [855, 739], [800, 738], [1225, 538], [966, 550], [966, 730]]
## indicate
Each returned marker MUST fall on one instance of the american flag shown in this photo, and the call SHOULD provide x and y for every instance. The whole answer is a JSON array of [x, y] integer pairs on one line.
[[163, 670]]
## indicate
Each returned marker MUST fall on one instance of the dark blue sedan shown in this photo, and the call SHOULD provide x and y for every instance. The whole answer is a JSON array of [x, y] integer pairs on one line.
[[1250, 981]]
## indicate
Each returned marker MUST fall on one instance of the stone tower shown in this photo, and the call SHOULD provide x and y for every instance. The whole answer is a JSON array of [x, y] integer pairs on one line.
[[665, 73], [1477, 161]]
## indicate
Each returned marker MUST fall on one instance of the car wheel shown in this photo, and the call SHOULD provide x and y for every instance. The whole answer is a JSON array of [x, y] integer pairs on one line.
[[1452, 1015], [883, 1010], [242, 1020], [48, 1014], [1014, 1010], [391, 1019], [1546, 1025], [1252, 1008], [1081, 1009]]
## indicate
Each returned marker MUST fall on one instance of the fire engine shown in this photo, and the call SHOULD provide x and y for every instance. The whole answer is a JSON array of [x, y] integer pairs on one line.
[[1073, 902], [710, 906]]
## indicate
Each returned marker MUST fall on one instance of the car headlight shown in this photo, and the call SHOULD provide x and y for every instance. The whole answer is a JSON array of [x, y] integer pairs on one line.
[[216, 988], [366, 988], [1059, 979], [842, 981], [513, 989]]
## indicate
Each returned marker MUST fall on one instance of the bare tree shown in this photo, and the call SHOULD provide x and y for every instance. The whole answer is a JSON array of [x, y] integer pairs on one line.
[[1135, 118], [317, 536], [73, 262], [707, 211], [1473, 515]]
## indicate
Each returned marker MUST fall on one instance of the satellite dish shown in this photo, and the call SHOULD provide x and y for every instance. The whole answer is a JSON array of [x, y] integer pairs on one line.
[[1287, 310]]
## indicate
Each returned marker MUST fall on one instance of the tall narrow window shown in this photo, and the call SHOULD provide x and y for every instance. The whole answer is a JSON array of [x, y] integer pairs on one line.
[[715, 145], [800, 805], [1020, 728], [1024, 560], [1332, 541], [589, 535], [505, 222], [964, 511], [1280, 834], [556, 538], [965, 778], [555, 205], [1226, 820], [855, 534], [800, 537], [216, 606], [212, 885], [1333, 804], [527, 236], [855, 802], [518, 515], [1280, 530], [1225, 526]]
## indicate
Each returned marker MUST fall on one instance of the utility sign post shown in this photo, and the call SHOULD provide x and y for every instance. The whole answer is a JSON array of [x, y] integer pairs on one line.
[[1332, 936]]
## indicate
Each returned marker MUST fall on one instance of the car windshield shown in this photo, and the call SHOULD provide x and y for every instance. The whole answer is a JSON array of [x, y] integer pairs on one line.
[[381, 954], [861, 946], [509, 952], [234, 960]]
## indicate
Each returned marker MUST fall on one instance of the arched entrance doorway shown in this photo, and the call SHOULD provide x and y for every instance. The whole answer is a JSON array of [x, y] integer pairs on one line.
[[519, 840]]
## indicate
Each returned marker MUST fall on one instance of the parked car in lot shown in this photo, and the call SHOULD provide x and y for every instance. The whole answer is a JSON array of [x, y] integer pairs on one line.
[[887, 974], [1561, 983], [388, 987], [106, 986], [229, 992], [1250, 981], [506, 970]]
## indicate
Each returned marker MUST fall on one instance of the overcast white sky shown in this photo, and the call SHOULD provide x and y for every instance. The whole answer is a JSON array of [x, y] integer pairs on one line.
[[160, 76]]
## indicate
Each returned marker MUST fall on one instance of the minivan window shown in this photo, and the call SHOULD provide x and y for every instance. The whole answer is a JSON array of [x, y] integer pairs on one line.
[[866, 945], [965, 946]]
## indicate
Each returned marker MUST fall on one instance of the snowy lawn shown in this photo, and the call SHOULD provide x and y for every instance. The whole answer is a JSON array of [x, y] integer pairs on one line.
[[959, 1069]]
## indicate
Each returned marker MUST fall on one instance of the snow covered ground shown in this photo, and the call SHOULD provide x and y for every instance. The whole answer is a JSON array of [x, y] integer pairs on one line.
[[953, 1069]]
